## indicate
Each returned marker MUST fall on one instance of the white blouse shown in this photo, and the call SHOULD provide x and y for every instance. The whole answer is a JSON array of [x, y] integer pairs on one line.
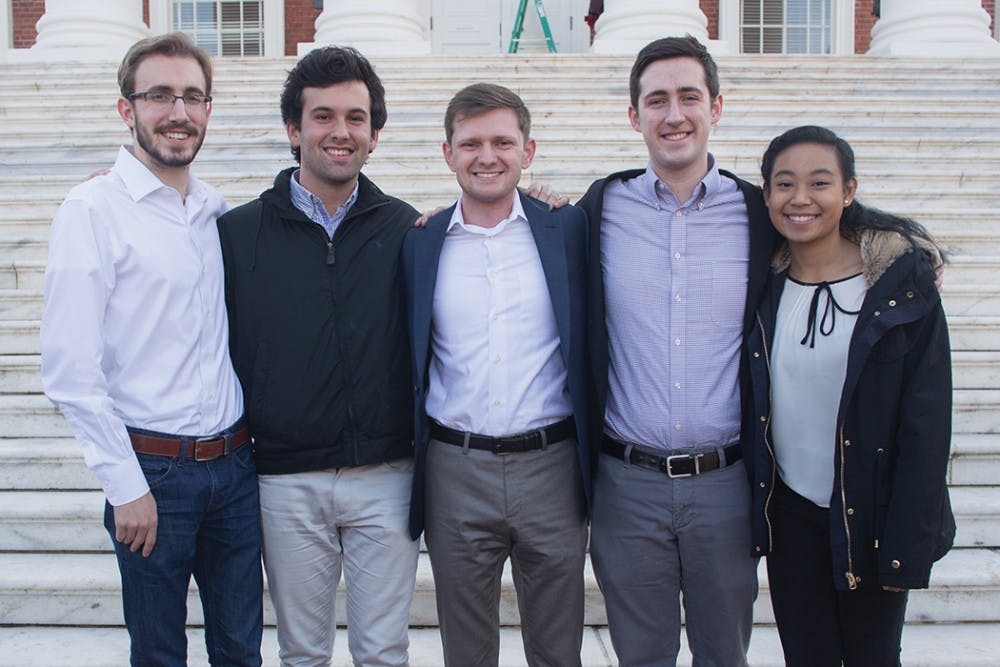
[[808, 364]]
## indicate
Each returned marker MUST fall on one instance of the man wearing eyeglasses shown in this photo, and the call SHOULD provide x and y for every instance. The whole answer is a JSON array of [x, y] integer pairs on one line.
[[135, 354]]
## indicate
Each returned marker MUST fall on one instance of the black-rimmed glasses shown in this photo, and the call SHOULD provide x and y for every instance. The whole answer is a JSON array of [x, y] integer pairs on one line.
[[166, 98]]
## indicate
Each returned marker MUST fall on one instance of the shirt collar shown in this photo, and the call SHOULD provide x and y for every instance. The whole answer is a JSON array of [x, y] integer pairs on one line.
[[313, 206], [516, 213], [140, 181], [707, 188]]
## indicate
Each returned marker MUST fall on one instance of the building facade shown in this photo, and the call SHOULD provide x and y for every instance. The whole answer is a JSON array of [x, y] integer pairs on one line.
[[248, 28]]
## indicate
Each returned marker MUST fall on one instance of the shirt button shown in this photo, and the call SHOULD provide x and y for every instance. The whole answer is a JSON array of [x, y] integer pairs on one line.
[[677, 298], [677, 385], [496, 402], [677, 255], [677, 427], [677, 341], [497, 360], [763, 418], [850, 511], [678, 214], [756, 355], [896, 564], [763, 485], [847, 443]]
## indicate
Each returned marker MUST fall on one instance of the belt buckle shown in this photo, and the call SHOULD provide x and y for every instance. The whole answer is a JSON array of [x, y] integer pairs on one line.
[[197, 442], [694, 457]]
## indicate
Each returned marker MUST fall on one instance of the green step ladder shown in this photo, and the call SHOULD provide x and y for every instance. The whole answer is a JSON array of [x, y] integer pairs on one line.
[[515, 36]]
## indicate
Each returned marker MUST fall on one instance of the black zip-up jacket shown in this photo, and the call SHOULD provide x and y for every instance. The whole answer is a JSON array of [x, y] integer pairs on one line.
[[763, 240], [890, 514], [317, 330]]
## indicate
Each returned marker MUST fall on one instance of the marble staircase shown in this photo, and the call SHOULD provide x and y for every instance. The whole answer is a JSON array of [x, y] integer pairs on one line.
[[927, 138]]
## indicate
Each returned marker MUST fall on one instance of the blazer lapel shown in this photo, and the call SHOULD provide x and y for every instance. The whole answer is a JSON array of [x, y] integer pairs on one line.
[[425, 263], [548, 233]]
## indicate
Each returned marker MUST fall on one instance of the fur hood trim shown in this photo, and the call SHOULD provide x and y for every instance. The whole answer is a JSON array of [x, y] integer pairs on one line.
[[879, 249]]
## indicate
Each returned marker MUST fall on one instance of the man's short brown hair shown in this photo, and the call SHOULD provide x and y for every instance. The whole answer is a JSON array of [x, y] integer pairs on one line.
[[482, 97], [173, 45]]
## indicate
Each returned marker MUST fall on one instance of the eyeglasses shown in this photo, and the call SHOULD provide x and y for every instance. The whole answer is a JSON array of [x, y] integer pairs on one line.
[[165, 98]]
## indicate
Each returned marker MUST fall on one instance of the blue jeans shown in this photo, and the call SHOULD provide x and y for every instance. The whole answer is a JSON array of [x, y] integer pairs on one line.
[[209, 526]]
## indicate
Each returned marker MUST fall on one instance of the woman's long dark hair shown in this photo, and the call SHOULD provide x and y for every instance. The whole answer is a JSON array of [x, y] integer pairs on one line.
[[856, 217]]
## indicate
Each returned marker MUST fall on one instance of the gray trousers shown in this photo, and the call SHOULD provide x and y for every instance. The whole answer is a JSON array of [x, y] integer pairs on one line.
[[655, 540], [483, 508], [353, 520]]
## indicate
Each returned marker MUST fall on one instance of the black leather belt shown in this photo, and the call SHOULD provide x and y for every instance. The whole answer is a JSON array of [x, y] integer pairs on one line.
[[522, 442], [672, 465]]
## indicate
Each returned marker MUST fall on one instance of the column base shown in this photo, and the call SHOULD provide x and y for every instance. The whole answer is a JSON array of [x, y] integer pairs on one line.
[[897, 49]]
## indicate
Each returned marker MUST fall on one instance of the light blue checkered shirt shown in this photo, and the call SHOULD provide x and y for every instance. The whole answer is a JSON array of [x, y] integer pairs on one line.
[[314, 209], [675, 282]]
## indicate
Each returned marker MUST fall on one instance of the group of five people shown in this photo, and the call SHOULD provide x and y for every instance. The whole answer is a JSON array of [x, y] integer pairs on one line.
[[499, 380]]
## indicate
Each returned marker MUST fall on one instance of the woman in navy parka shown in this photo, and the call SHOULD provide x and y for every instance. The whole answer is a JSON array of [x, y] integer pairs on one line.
[[851, 383]]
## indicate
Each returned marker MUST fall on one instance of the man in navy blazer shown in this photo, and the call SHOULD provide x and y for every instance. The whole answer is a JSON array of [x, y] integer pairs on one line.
[[496, 310]]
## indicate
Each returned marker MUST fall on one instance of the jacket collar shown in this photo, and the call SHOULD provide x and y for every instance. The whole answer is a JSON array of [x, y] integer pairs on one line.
[[279, 195], [879, 250]]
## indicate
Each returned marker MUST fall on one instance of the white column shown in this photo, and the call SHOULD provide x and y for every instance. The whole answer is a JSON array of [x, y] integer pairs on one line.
[[628, 25], [74, 30], [931, 28], [374, 27], [6, 38]]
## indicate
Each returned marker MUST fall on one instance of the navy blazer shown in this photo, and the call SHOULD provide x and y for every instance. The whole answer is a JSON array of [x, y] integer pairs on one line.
[[561, 238]]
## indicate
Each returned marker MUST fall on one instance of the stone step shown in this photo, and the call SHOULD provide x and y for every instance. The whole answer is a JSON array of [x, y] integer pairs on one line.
[[84, 589], [222, 159], [20, 373], [33, 416], [71, 521], [19, 336], [960, 300], [975, 459], [924, 645], [845, 68], [29, 221], [44, 464], [30, 274]]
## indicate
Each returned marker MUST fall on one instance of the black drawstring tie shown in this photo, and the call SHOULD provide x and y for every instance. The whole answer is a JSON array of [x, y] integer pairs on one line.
[[828, 320]]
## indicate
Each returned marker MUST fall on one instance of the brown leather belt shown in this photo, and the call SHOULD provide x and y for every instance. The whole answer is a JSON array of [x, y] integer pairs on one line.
[[510, 444], [198, 449], [672, 465]]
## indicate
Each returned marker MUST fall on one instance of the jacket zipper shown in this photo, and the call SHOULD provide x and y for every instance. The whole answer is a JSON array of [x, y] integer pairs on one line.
[[852, 581], [767, 439]]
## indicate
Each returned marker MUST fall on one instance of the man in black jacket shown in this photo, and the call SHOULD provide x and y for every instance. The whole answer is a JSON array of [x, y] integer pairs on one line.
[[318, 342]]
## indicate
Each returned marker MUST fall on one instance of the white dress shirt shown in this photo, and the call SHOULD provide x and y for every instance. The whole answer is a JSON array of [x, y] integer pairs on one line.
[[135, 329], [497, 368]]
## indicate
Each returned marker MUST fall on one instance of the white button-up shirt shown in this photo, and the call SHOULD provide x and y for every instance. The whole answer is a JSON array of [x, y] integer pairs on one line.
[[497, 368], [135, 329]]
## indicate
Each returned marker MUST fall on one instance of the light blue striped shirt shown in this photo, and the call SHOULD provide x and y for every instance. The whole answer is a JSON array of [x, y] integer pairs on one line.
[[675, 282], [314, 209]]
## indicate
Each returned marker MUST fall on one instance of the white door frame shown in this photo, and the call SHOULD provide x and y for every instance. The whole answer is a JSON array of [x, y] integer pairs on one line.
[[841, 27], [274, 23]]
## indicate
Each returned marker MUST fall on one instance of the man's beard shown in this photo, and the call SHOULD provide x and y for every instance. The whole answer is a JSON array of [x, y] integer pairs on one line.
[[146, 141]]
